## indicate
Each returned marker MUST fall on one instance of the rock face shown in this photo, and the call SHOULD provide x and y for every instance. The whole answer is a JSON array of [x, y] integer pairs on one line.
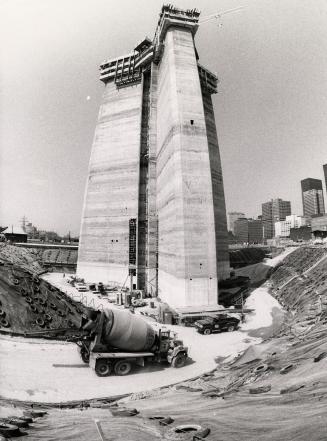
[[155, 165]]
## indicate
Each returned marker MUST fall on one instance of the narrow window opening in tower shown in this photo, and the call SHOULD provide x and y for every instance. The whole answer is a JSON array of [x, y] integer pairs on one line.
[[192, 122]]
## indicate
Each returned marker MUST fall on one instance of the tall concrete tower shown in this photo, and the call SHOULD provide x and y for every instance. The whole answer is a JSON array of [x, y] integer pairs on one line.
[[154, 202]]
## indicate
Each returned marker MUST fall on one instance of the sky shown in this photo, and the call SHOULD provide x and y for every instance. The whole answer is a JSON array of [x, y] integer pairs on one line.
[[271, 109]]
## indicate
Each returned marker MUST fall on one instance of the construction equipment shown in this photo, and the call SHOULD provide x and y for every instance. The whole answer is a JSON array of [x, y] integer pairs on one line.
[[112, 341]]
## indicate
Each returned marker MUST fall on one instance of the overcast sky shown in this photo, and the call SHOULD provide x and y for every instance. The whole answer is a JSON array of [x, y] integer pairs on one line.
[[271, 109]]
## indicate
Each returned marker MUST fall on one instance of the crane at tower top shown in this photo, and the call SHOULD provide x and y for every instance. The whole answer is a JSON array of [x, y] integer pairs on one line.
[[218, 15]]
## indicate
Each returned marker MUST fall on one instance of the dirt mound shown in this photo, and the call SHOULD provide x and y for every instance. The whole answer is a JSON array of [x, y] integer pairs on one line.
[[21, 257], [28, 303]]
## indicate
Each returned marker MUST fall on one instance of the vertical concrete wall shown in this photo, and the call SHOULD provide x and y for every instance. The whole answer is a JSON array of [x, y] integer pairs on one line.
[[112, 191], [152, 225], [187, 272], [143, 184], [223, 266]]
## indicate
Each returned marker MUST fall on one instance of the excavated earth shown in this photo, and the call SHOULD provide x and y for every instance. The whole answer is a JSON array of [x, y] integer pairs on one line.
[[28, 303], [276, 390]]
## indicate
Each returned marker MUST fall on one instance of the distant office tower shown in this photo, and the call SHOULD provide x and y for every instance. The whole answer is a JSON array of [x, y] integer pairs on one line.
[[312, 197], [248, 231], [325, 175], [283, 228], [154, 203], [231, 218], [274, 211]]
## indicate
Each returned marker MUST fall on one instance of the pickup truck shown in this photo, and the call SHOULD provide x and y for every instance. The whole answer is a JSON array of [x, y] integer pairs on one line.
[[219, 323]]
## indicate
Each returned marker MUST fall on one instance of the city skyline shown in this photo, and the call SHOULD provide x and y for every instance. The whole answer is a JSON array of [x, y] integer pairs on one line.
[[270, 62]]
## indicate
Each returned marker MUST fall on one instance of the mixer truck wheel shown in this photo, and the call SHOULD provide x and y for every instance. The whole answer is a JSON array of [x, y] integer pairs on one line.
[[179, 360], [122, 367], [102, 368], [85, 355]]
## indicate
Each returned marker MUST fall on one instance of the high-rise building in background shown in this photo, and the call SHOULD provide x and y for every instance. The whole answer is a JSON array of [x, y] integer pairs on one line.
[[248, 231], [313, 203], [283, 228], [273, 211], [154, 204], [312, 197], [231, 218], [325, 175]]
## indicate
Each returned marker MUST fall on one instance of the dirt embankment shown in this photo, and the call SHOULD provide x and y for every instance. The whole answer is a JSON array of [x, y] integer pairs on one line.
[[28, 303]]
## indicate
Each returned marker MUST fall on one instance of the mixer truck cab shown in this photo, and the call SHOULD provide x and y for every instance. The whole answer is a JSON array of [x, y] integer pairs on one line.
[[118, 340]]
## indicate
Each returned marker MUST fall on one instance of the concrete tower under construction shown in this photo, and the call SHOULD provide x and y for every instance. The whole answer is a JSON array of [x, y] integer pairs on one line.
[[154, 204]]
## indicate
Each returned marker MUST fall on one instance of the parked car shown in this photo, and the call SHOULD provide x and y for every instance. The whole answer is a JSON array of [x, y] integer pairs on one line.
[[219, 323]]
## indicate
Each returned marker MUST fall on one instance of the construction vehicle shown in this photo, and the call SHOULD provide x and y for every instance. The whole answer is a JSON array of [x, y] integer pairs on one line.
[[219, 323], [113, 341]]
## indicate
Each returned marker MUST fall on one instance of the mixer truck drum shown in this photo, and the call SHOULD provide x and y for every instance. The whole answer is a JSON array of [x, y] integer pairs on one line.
[[28, 299], [16, 281], [53, 306]]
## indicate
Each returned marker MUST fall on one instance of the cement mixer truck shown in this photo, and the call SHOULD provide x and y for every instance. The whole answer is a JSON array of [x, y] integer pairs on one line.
[[114, 341]]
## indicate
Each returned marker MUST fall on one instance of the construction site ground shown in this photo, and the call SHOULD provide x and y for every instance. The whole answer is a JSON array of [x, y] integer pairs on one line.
[[62, 376], [276, 390]]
